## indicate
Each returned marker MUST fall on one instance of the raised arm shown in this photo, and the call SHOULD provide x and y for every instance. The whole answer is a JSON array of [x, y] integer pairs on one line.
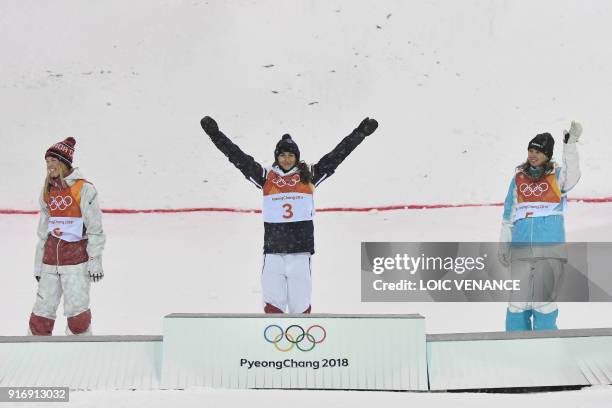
[[570, 172], [252, 170], [328, 163]]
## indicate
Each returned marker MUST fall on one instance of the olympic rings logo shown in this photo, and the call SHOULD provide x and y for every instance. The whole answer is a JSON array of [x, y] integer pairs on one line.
[[533, 189], [60, 202], [281, 182], [296, 336]]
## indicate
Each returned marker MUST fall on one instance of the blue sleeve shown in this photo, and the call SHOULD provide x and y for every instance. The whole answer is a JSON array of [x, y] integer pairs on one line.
[[509, 203]]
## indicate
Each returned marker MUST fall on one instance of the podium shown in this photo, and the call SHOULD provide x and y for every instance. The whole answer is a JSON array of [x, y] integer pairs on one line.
[[318, 351]]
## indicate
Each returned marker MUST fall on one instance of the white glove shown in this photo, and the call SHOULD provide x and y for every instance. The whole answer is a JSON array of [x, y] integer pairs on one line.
[[573, 135], [503, 250], [94, 268], [503, 253]]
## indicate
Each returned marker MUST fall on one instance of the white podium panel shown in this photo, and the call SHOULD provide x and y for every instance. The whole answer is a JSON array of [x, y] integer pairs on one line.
[[81, 362], [519, 359], [373, 352]]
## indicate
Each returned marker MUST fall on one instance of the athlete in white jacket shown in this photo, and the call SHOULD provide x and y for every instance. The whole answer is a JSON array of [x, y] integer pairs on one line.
[[71, 241]]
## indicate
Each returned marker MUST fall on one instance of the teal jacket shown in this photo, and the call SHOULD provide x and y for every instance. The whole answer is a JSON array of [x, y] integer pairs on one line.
[[548, 229]]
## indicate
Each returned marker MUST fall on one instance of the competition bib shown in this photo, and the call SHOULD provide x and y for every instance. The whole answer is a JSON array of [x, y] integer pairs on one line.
[[538, 199], [66, 228], [65, 220], [525, 210], [286, 199]]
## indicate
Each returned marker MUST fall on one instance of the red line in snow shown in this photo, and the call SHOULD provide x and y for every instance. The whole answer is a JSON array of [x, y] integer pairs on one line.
[[177, 210], [12, 212], [329, 209]]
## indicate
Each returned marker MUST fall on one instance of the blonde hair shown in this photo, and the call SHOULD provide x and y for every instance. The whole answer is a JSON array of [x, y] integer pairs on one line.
[[64, 170]]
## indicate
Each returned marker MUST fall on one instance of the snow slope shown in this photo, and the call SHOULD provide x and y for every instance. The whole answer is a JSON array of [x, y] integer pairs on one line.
[[459, 88], [157, 264]]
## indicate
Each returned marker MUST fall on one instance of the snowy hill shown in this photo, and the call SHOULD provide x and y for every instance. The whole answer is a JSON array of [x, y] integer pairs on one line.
[[459, 88]]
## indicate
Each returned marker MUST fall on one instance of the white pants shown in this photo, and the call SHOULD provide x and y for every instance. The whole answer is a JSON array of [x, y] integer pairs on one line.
[[286, 281], [71, 281], [540, 280]]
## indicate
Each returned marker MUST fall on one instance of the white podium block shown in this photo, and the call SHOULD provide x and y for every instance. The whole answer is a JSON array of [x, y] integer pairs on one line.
[[367, 352], [520, 359], [81, 362]]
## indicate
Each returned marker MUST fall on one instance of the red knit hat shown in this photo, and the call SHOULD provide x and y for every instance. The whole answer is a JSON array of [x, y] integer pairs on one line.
[[63, 150]]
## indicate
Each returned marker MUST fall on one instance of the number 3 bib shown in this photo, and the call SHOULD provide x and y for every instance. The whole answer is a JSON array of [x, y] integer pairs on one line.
[[286, 199]]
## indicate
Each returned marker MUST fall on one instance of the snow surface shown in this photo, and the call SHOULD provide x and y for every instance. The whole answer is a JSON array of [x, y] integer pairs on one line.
[[595, 397], [157, 264], [459, 88]]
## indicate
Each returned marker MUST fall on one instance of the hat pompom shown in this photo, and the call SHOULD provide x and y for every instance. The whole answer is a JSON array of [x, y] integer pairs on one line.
[[63, 150], [287, 144]]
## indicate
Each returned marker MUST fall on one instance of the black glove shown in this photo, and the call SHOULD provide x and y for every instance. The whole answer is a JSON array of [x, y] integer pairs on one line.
[[367, 126], [37, 278], [209, 125]]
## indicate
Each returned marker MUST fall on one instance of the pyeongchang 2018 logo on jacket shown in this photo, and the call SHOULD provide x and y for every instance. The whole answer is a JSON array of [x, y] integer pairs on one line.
[[295, 336]]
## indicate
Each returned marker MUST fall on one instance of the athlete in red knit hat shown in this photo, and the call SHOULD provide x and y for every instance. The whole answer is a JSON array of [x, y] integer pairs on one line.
[[69, 250]]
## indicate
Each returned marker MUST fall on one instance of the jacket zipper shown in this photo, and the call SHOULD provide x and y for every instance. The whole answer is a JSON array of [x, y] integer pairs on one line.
[[57, 255]]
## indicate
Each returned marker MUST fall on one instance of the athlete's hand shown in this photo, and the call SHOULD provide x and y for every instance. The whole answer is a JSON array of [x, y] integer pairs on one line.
[[209, 125], [503, 254], [367, 126], [94, 268], [573, 135], [503, 250]]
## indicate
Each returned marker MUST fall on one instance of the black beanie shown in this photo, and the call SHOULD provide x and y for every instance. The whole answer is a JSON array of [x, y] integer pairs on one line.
[[287, 145], [544, 143]]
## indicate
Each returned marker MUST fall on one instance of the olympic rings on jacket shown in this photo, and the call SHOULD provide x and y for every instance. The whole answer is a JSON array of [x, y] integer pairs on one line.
[[533, 189], [60, 202], [281, 182], [294, 339]]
